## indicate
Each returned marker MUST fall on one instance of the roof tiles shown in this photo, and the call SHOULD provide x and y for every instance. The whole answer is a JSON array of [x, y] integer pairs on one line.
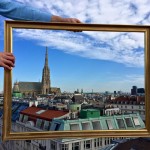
[[46, 115]]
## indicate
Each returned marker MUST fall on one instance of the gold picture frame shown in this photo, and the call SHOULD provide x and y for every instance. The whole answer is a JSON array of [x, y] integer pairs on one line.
[[8, 135]]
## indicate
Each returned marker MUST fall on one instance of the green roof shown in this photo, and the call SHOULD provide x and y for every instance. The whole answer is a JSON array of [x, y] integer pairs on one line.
[[116, 122], [129, 122], [90, 110]]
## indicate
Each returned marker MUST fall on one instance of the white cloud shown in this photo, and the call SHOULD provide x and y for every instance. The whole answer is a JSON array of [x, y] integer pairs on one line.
[[119, 47], [97, 11]]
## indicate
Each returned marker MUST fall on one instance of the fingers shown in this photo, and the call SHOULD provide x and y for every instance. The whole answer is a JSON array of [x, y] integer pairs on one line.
[[71, 20], [61, 19], [7, 67], [7, 60], [10, 57], [74, 20]]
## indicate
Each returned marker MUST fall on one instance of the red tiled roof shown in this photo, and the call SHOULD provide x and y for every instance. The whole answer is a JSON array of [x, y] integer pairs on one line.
[[47, 115], [131, 98], [122, 98]]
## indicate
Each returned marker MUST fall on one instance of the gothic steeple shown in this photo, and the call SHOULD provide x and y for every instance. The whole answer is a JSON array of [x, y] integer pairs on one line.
[[46, 76], [46, 58]]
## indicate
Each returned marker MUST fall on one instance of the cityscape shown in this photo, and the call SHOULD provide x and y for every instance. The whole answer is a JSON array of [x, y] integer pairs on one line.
[[77, 81], [38, 106]]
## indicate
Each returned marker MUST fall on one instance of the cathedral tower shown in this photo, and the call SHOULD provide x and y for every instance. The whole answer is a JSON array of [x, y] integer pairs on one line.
[[46, 76]]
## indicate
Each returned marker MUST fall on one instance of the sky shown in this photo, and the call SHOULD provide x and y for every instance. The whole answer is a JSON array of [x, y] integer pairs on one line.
[[92, 61]]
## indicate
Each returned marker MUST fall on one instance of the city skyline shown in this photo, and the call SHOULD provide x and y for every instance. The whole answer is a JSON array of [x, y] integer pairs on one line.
[[104, 61], [73, 70]]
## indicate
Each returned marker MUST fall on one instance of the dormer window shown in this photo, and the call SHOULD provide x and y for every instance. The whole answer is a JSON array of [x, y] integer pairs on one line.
[[74, 127], [39, 123], [46, 125], [96, 125], [86, 126], [121, 124], [21, 117], [56, 126], [136, 121], [128, 122], [25, 118], [109, 124]]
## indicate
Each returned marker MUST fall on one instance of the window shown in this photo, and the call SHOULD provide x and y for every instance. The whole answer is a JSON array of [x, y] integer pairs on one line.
[[25, 118], [136, 121], [87, 144], [74, 127], [109, 124], [86, 126], [97, 142], [121, 124], [106, 141], [57, 126], [64, 147], [128, 122], [21, 117], [42, 124], [76, 146], [38, 123], [53, 145], [46, 125], [96, 125]]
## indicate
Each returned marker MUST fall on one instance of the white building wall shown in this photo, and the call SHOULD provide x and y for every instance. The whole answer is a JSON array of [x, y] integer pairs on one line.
[[132, 109]]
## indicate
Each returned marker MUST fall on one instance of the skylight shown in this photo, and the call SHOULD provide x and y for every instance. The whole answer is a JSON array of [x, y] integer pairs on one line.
[[136, 121], [40, 111], [109, 124]]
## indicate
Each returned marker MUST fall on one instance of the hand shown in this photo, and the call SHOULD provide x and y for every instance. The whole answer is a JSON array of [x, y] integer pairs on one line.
[[68, 20], [7, 60]]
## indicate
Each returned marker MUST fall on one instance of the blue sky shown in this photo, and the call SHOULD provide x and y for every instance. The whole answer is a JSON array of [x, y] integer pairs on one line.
[[88, 60]]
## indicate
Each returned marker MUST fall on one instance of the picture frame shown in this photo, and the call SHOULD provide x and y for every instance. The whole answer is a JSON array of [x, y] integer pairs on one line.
[[8, 41]]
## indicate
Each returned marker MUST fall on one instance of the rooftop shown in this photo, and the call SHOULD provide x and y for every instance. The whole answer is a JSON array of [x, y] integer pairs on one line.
[[46, 114]]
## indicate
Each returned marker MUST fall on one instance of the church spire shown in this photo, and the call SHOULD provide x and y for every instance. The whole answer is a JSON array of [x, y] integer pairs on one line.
[[46, 57], [46, 84]]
